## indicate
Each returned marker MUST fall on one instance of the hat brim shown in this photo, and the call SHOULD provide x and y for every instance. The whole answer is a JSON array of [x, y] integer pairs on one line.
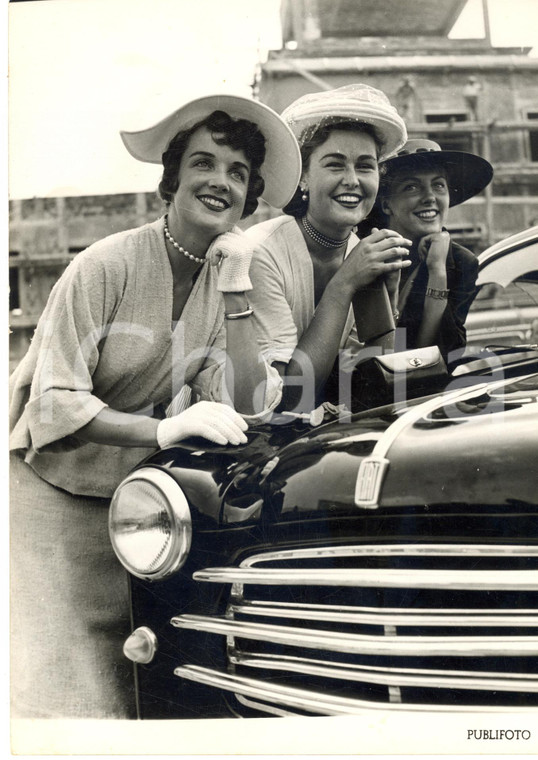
[[389, 127], [281, 169], [467, 174]]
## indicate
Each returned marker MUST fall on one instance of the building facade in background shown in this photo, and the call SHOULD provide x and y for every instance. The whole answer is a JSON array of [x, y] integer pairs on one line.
[[465, 94]]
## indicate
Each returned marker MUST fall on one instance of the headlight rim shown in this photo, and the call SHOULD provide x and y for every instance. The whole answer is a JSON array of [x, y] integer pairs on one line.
[[180, 517]]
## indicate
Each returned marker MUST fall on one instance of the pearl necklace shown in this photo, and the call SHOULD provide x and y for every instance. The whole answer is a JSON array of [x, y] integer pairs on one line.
[[323, 240], [180, 247]]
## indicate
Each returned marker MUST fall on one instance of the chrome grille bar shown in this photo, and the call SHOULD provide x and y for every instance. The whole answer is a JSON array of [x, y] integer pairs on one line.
[[399, 618], [389, 676], [315, 702], [478, 580], [335, 631], [396, 550], [271, 709], [484, 646]]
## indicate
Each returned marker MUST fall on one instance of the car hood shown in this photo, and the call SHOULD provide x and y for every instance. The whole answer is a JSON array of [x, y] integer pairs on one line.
[[466, 446], [473, 445]]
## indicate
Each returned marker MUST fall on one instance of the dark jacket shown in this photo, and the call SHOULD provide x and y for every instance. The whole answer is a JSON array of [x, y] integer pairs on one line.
[[462, 272]]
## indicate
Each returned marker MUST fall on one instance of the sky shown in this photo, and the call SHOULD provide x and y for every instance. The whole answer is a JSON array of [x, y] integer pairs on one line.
[[81, 70]]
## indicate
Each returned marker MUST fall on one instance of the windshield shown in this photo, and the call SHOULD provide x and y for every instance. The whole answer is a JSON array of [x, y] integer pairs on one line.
[[505, 309]]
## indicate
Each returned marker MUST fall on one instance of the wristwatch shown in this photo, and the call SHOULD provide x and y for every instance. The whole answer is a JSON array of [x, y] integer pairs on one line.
[[435, 293]]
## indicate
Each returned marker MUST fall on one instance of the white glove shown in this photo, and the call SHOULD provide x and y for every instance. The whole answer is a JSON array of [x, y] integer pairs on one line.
[[231, 252], [216, 422]]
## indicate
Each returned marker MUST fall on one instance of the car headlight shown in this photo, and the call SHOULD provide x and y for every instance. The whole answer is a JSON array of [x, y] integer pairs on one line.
[[150, 524]]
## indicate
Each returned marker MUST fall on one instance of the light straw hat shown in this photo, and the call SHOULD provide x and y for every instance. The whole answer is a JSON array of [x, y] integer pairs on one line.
[[281, 169], [358, 102]]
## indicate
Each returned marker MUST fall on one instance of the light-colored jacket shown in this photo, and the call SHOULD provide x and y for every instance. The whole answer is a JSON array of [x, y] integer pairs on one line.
[[106, 338]]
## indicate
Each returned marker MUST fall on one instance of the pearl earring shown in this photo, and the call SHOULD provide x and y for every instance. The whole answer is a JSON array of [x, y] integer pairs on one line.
[[304, 196]]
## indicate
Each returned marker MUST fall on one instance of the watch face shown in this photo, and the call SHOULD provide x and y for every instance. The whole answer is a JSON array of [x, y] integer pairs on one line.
[[436, 293]]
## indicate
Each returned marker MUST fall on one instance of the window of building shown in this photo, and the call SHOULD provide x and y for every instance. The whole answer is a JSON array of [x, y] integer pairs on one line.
[[14, 297], [450, 140], [533, 136]]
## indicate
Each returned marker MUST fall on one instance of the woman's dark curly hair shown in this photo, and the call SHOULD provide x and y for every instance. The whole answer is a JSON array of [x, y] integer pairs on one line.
[[239, 134], [297, 207]]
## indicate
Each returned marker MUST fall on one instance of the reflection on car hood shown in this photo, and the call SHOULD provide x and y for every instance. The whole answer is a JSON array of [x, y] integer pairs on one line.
[[472, 447]]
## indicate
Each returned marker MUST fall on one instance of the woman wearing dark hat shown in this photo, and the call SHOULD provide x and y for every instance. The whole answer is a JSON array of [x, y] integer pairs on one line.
[[417, 188], [311, 274], [138, 322]]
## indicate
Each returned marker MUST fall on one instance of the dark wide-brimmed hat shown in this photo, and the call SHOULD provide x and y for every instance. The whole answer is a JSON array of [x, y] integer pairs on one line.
[[281, 169], [467, 174]]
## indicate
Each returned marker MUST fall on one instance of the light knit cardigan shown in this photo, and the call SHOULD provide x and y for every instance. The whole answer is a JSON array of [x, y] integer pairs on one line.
[[106, 338]]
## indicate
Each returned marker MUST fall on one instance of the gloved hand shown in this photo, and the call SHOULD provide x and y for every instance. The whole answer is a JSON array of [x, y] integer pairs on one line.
[[216, 422], [231, 252]]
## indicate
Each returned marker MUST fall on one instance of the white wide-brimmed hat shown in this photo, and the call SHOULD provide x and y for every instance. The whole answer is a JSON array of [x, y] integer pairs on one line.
[[357, 102], [281, 169]]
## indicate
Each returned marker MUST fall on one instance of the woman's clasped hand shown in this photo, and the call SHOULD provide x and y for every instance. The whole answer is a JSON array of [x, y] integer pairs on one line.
[[433, 248], [380, 254]]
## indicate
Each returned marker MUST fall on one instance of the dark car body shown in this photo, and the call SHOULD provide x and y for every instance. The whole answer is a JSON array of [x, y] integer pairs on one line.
[[387, 560]]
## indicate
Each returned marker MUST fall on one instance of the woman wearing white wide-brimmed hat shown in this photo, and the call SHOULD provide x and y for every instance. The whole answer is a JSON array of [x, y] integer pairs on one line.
[[138, 323], [314, 280]]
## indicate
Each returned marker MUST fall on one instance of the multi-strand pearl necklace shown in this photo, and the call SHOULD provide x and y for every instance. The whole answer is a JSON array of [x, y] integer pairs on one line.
[[323, 240], [180, 247]]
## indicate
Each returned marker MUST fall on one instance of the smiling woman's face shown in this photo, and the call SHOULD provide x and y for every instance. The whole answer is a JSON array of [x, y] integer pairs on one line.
[[417, 202], [213, 184], [342, 179]]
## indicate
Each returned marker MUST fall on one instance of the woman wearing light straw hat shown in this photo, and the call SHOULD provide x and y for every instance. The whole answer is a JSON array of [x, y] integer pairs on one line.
[[418, 187], [138, 322], [314, 280]]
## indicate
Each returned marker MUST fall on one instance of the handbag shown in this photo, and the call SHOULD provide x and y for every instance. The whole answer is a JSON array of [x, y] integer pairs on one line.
[[399, 376]]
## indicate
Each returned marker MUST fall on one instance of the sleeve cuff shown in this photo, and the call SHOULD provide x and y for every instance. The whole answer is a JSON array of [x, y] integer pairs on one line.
[[278, 354], [58, 414], [273, 394]]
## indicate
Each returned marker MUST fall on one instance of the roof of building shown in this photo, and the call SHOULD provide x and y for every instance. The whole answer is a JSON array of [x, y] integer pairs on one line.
[[372, 18], [291, 65]]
